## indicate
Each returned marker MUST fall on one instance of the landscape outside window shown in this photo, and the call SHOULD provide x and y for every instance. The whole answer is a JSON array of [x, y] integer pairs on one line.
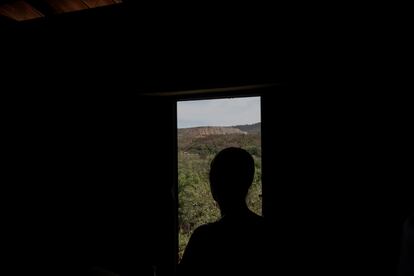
[[204, 128]]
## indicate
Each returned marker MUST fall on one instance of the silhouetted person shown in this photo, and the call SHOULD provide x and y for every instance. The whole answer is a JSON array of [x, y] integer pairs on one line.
[[406, 267], [234, 245]]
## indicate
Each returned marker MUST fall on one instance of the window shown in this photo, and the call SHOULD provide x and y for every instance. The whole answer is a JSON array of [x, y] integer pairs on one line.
[[204, 128]]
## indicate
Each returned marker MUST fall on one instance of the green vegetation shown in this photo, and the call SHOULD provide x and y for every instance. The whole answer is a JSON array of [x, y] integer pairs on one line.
[[196, 205]]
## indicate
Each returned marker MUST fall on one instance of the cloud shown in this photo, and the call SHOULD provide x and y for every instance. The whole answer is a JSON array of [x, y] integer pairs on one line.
[[219, 112]]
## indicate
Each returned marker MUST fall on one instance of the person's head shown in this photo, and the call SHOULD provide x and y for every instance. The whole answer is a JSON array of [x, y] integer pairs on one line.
[[231, 175]]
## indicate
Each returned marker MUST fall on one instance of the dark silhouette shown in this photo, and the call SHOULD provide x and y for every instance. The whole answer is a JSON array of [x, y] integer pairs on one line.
[[234, 245], [406, 267]]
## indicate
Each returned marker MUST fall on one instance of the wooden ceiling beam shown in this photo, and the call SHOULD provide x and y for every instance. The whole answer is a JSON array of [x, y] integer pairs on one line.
[[20, 11], [5, 19], [100, 3], [41, 6], [63, 6]]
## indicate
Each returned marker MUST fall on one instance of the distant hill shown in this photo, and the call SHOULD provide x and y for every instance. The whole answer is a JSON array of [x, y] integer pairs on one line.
[[198, 132], [250, 129], [209, 140]]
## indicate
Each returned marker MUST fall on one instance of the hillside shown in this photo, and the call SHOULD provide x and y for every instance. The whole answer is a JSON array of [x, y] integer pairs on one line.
[[214, 143], [210, 140], [196, 148], [250, 129], [197, 132]]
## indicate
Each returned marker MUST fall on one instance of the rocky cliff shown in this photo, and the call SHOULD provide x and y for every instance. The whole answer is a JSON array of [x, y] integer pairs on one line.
[[197, 132]]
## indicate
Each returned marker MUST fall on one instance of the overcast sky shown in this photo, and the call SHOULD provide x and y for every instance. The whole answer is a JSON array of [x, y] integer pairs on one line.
[[221, 112]]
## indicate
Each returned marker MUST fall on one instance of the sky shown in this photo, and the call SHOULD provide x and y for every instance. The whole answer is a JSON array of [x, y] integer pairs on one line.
[[220, 112]]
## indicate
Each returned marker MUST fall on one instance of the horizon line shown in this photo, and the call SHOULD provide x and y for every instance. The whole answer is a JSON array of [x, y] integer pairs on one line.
[[219, 126]]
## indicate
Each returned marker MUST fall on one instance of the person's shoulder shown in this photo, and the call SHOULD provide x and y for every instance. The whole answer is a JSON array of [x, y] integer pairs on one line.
[[204, 235], [205, 229], [256, 220]]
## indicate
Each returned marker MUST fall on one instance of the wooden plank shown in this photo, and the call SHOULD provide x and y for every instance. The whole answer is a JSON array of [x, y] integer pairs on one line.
[[25, 10], [19, 11], [41, 6], [100, 3], [62, 6]]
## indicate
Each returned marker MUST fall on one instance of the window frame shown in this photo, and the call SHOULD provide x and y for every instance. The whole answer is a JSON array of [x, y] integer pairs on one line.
[[209, 94]]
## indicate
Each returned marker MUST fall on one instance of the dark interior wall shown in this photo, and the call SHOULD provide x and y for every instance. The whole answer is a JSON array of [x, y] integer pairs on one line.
[[91, 176], [94, 163], [335, 169], [91, 165], [149, 47], [90, 184]]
